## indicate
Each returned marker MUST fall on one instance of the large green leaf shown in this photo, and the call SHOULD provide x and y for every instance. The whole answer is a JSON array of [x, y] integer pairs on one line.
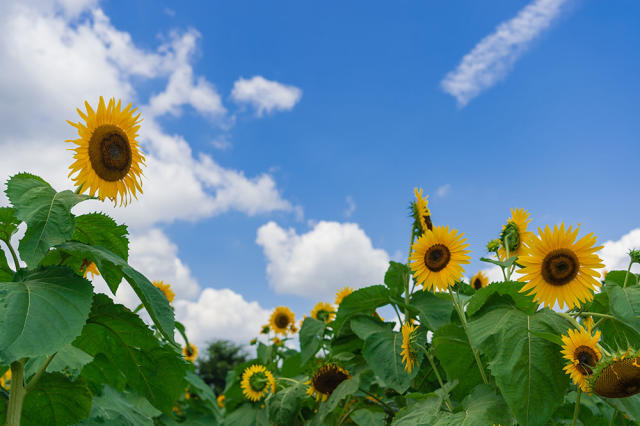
[[435, 311], [153, 299], [527, 368], [68, 359], [247, 415], [42, 311], [456, 357], [481, 407], [615, 331], [8, 223], [6, 273], [361, 301], [423, 412], [204, 392], [382, 352], [396, 276], [363, 326], [56, 400], [284, 405], [154, 371], [625, 304], [46, 212], [369, 417], [511, 289], [100, 372], [311, 334], [120, 408]]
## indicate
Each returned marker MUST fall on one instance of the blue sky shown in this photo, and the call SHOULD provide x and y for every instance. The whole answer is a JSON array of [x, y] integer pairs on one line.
[[556, 134]]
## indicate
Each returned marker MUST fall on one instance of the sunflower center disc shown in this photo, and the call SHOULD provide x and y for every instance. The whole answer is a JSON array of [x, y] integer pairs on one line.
[[477, 284], [427, 221], [110, 152], [560, 267], [437, 257], [619, 380], [282, 321], [327, 380], [587, 357]]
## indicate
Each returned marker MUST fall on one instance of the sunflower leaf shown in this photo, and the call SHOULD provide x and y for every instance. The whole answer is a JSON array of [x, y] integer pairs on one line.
[[382, 351], [204, 392], [509, 288], [6, 273], [435, 311], [616, 333], [124, 408], [422, 412], [344, 390], [8, 223], [42, 311], [283, 406], [153, 370], [396, 277], [46, 212], [56, 400], [151, 297], [361, 301], [311, 334]]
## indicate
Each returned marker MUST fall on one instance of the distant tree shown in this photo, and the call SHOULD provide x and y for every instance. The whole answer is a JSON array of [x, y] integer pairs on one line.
[[219, 357]]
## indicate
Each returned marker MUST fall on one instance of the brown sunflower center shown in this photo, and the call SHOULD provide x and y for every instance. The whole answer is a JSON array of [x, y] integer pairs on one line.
[[560, 267], [188, 351], [437, 257], [110, 152], [327, 379], [619, 380], [477, 283], [282, 320], [587, 358]]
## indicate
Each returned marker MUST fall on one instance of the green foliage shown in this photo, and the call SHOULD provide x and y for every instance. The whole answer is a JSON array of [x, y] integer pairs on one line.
[[8, 223], [217, 360], [511, 289], [43, 310], [46, 212], [382, 352], [311, 335], [396, 276], [284, 405], [6, 274], [204, 392], [362, 301], [121, 408], [435, 310]]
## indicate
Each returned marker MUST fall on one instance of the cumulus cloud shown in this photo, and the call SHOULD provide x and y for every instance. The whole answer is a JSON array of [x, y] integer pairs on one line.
[[265, 95], [491, 59], [316, 264], [615, 254]]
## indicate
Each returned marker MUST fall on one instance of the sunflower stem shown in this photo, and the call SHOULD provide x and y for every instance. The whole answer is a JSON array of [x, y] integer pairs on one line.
[[613, 417], [435, 370], [626, 277], [406, 282], [138, 308], [463, 320], [577, 409], [384, 405], [17, 394], [594, 314], [39, 374], [16, 262], [506, 247], [397, 313]]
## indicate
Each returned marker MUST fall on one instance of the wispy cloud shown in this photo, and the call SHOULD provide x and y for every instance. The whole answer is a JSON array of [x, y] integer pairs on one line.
[[351, 207], [443, 190], [492, 58]]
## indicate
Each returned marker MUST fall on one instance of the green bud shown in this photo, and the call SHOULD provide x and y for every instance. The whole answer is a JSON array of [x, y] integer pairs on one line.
[[635, 255], [493, 246], [510, 235]]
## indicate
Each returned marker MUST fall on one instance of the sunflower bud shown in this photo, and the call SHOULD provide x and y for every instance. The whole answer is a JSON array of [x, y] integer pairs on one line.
[[635, 256], [493, 246], [253, 341], [510, 237]]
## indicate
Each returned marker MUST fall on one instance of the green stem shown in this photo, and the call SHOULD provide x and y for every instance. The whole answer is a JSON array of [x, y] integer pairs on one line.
[[577, 409], [626, 277], [387, 408], [397, 313], [613, 417], [39, 374], [463, 320], [18, 392], [506, 247], [406, 282], [435, 370], [13, 253], [137, 309], [595, 314]]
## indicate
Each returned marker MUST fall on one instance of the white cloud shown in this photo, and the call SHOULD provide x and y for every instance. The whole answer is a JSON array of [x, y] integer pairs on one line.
[[615, 254], [351, 206], [316, 264], [443, 190], [492, 58], [265, 95]]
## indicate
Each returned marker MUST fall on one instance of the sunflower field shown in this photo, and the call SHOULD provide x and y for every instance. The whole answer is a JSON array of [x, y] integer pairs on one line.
[[553, 342]]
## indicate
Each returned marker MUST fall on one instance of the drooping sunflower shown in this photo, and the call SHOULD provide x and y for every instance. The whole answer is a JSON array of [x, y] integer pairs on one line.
[[220, 400], [617, 376], [409, 353], [166, 290], [325, 380], [581, 350], [257, 382], [559, 269], [516, 234], [5, 379], [424, 214], [190, 352], [479, 280], [436, 258], [107, 157], [323, 312], [342, 293], [90, 267], [281, 319]]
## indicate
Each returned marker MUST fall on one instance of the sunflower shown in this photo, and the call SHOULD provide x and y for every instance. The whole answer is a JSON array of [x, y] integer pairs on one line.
[[265, 329], [107, 156], [165, 289], [342, 293], [6, 377], [325, 380], [293, 328], [409, 355], [256, 382], [479, 280], [581, 350], [281, 319], [89, 267], [190, 352], [559, 269], [436, 257], [516, 234], [423, 212], [277, 341], [323, 312], [220, 400], [617, 376]]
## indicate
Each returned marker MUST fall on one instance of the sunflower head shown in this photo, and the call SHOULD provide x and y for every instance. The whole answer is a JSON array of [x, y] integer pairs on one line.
[[560, 269], [421, 213], [580, 348], [281, 319], [409, 341], [107, 157], [165, 289], [277, 341], [89, 267], [617, 376], [257, 382], [515, 234], [634, 255], [325, 380], [342, 293], [190, 352], [479, 280], [265, 329], [5, 379], [293, 328], [436, 258], [220, 400], [323, 312]]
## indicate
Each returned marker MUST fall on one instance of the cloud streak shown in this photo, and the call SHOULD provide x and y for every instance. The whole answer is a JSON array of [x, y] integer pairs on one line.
[[492, 58]]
